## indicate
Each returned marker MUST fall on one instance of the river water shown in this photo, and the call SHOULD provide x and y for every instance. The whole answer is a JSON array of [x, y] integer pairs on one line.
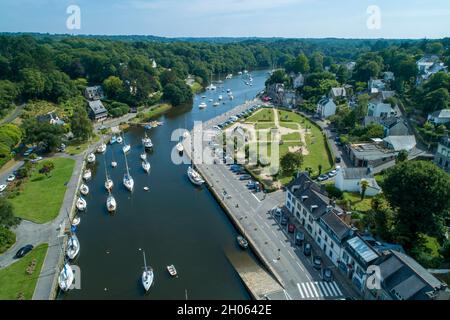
[[174, 222]]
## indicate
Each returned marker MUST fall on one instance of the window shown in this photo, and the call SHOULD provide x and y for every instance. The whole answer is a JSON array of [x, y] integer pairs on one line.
[[289, 196], [310, 219], [332, 244], [320, 232], [326, 238], [318, 240], [359, 272], [345, 257], [330, 254]]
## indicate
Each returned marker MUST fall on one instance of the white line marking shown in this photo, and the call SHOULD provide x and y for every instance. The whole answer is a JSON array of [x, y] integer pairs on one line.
[[290, 253], [300, 290], [256, 197], [301, 268], [305, 290], [324, 290], [337, 288], [316, 284], [327, 285], [309, 289]]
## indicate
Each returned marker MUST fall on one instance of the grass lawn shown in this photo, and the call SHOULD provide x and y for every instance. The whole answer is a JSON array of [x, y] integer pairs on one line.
[[289, 125], [196, 87], [356, 202], [15, 280], [41, 197], [77, 147], [264, 125], [264, 114], [288, 116], [155, 111], [291, 136]]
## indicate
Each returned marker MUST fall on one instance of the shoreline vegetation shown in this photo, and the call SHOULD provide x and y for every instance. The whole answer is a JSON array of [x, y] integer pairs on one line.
[[152, 112], [18, 281]]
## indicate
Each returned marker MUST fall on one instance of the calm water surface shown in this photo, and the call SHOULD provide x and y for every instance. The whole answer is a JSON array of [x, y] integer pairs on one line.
[[174, 222]]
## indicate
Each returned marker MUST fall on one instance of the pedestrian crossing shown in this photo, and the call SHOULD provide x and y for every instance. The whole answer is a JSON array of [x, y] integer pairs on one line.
[[318, 289]]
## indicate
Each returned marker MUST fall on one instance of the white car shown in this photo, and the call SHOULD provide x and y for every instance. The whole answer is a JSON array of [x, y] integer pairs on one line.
[[36, 159], [3, 187], [332, 173], [11, 178]]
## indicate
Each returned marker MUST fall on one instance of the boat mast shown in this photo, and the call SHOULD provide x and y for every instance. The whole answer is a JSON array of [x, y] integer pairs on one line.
[[126, 164], [145, 262]]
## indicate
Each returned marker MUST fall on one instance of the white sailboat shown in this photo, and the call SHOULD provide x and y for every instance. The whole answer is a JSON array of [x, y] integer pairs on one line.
[[111, 203], [220, 98], [73, 247], [126, 148], [76, 221], [91, 158], [84, 189], [147, 276], [128, 180], [109, 184], [195, 177], [143, 156], [66, 277], [202, 105], [216, 104], [146, 166], [81, 204], [87, 174], [101, 148], [147, 142], [113, 164]]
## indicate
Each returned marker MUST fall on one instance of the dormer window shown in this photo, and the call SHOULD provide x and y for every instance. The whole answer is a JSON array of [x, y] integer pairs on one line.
[[304, 198]]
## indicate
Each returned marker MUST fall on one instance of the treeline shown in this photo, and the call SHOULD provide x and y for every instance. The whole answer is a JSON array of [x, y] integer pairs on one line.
[[10, 136]]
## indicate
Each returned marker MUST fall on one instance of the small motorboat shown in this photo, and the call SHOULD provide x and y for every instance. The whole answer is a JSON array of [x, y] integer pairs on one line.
[[101, 148], [172, 270], [109, 184], [76, 221], [220, 98], [216, 104], [81, 204], [202, 105], [147, 276], [119, 139], [203, 97], [195, 177], [146, 166], [66, 277], [113, 140], [111, 203], [210, 100], [243, 243], [146, 188], [180, 147], [143, 156], [126, 148], [87, 174], [91, 158], [147, 142], [73, 247], [84, 189], [113, 164]]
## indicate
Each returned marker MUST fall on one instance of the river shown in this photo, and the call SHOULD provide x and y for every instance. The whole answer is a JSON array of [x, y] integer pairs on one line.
[[174, 222]]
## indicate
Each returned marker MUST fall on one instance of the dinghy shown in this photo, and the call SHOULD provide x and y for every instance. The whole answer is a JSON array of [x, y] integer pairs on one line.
[[76, 221], [180, 147], [113, 164]]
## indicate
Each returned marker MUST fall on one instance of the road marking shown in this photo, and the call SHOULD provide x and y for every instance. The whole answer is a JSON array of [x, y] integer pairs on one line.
[[255, 197], [316, 284], [300, 290], [322, 287], [314, 288], [339, 292], [309, 289], [328, 288], [290, 253], [304, 289], [301, 268]]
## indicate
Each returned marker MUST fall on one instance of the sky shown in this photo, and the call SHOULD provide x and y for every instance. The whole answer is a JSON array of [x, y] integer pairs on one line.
[[233, 18]]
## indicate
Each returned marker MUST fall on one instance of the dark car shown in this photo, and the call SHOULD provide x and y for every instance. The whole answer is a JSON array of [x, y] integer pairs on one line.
[[327, 275], [338, 159], [291, 228], [276, 212], [284, 220], [299, 238], [317, 262], [307, 249], [245, 177], [23, 251]]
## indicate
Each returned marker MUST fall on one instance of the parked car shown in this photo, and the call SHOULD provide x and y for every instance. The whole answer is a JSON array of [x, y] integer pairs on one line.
[[323, 177], [338, 159], [11, 178], [299, 237], [3, 187], [332, 173], [327, 275], [23, 251], [276, 212], [251, 184], [317, 262], [245, 177], [37, 159], [307, 249], [291, 228], [284, 220]]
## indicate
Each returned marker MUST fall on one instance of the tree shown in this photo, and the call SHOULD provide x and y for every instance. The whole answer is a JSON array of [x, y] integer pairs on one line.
[[419, 192], [113, 87], [80, 124], [364, 186], [436, 100], [299, 64], [46, 135], [47, 167], [290, 162], [8, 93], [33, 82], [402, 156], [7, 218], [316, 62]]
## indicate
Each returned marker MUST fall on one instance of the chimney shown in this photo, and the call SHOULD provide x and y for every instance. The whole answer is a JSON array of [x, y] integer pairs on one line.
[[314, 207]]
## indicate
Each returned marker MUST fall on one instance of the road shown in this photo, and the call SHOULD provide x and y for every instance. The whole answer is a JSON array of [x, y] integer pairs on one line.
[[273, 243], [11, 117]]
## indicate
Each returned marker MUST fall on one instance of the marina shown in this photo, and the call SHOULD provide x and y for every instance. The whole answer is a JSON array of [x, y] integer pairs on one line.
[[177, 223]]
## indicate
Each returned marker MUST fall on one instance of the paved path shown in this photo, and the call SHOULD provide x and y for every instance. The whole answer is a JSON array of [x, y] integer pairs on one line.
[[11, 117]]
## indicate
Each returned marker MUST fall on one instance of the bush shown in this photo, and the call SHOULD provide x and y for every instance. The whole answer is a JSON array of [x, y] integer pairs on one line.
[[7, 239], [334, 192]]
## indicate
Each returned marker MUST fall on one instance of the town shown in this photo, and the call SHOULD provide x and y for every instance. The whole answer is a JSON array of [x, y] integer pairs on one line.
[[328, 172]]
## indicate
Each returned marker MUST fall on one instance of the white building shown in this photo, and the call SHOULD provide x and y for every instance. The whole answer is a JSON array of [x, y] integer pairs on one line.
[[326, 108], [349, 179], [429, 65], [338, 93], [440, 116], [376, 85], [380, 109]]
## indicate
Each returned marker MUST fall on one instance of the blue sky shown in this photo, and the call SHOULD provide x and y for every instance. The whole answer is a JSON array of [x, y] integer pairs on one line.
[[208, 18]]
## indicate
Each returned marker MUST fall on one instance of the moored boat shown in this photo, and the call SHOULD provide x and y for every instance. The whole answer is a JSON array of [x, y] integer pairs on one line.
[[147, 276], [172, 270], [81, 204], [113, 140], [243, 243], [101, 148], [143, 156], [113, 164], [73, 247], [202, 105], [87, 174], [126, 148], [119, 139], [180, 147], [76, 221], [111, 203], [109, 184], [91, 158], [84, 189], [195, 177], [146, 166], [65, 278]]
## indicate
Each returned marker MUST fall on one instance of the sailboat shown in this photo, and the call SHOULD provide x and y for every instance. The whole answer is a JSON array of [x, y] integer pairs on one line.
[[81, 204], [87, 174], [180, 147], [73, 247], [211, 87], [202, 105], [76, 221], [111, 203], [101, 148], [91, 158], [128, 181], [147, 276], [146, 166], [126, 148], [143, 156], [195, 177], [146, 141], [66, 277], [109, 184], [84, 189]]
